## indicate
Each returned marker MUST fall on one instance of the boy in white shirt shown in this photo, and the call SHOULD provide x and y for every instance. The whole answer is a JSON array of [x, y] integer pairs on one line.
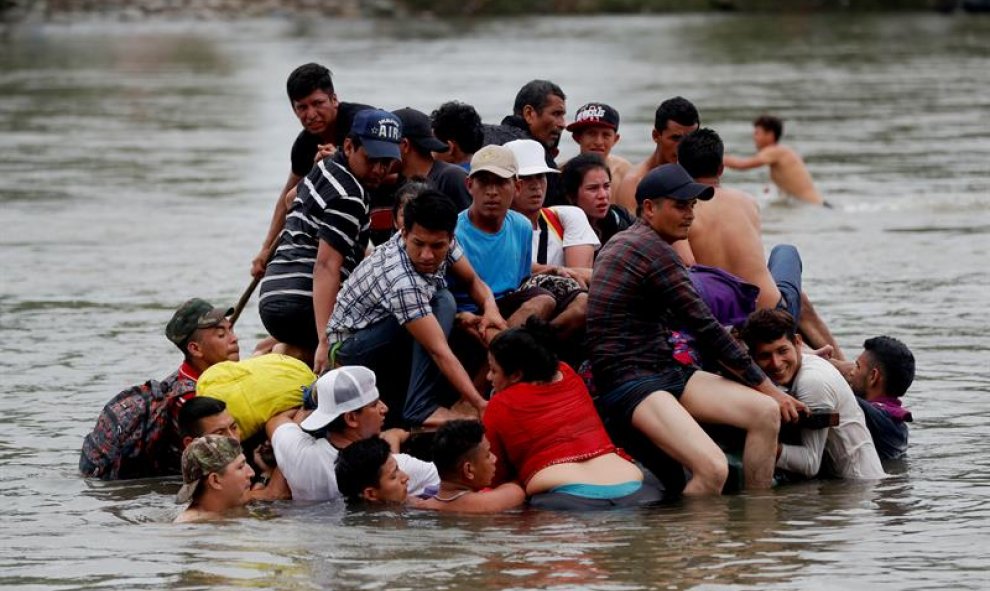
[[844, 451]]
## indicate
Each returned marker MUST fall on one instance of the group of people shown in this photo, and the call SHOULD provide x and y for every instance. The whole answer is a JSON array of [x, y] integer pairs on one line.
[[589, 335]]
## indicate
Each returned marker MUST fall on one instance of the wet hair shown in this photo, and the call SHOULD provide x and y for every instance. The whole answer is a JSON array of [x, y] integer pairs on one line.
[[526, 349], [700, 153], [768, 325], [772, 124], [194, 409], [359, 465], [454, 443], [677, 109], [461, 123], [432, 210], [573, 172], [895, 362], [409, 189], [535, 93], [308, 78]]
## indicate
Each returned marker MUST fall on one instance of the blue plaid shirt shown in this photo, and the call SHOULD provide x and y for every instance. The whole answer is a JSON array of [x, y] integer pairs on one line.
[[386, 284]]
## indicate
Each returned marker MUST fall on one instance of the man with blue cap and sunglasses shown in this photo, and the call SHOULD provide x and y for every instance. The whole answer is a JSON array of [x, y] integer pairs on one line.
[[651, 402], [325, 236]]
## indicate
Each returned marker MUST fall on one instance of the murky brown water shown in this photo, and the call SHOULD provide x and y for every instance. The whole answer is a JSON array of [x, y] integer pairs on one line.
[[138, 167]]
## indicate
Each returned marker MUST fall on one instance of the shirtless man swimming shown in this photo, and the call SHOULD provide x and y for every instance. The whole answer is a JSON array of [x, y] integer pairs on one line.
[[787, 169], [726, 234]]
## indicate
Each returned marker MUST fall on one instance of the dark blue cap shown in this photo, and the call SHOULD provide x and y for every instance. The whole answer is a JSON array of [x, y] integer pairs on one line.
[[380, 133], [673, 182]]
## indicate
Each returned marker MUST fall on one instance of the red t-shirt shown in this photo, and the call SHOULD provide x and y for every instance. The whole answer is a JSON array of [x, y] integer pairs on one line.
[[532, 426]]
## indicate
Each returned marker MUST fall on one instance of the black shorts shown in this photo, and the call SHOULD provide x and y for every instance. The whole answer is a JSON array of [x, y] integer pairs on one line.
[[619, 404], [291, 320]]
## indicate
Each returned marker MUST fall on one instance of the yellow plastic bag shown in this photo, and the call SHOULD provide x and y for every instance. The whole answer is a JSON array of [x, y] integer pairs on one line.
[[256, 389]]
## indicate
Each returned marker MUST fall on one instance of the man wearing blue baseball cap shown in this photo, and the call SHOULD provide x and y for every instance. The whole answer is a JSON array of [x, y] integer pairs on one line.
[[650, 401], [325, 235]]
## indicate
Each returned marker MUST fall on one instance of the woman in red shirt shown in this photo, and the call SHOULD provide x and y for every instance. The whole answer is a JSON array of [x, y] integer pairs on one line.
[[545, 432]]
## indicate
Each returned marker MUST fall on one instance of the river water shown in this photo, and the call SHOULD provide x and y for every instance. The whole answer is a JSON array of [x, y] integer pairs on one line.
[[138, 167]]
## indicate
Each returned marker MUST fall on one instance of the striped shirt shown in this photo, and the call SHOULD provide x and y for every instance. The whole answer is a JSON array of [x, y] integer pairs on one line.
[[640, 291], [386, 284], [330, 205]]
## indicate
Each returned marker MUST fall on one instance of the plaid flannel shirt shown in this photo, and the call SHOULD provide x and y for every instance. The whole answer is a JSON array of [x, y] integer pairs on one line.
[[386, 284], [640, 291]]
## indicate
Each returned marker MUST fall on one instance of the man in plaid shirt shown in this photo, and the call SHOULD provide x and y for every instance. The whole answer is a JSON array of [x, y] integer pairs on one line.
[[640, 291], [402, 285]]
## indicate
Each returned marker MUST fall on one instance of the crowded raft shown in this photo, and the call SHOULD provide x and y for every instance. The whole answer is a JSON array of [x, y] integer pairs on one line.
[[460, 323]]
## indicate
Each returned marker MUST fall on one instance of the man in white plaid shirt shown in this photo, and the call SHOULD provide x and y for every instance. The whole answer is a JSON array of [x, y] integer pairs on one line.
[[400, 291]]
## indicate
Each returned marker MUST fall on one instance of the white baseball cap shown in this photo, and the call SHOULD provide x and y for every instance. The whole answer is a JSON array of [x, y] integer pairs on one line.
[[341, 390], [531, 156]]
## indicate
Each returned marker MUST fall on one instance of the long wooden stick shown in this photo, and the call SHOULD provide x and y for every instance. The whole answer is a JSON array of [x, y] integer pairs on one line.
[[246, 296]]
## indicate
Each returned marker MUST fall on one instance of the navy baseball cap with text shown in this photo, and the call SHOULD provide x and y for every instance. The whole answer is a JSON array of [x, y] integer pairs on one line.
[[380, 132], [673, 182]]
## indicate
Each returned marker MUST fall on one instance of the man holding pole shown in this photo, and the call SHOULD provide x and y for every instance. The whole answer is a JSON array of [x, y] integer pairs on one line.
[[325, 235]]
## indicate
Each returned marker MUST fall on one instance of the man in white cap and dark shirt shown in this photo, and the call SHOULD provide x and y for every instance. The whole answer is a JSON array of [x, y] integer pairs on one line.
[[349, 408]]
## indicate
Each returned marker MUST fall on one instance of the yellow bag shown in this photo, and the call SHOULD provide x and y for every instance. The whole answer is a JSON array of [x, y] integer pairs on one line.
[[256, 389]]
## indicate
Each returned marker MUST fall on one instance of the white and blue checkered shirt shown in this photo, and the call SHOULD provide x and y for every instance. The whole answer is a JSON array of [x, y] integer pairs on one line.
[[383, 284]]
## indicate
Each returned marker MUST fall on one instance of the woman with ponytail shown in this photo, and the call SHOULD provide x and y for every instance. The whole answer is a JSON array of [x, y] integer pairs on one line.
[[545, 432]]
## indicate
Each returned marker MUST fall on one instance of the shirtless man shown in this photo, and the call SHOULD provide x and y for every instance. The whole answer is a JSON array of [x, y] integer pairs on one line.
[[787, 169], [675, 118], [726, 234]]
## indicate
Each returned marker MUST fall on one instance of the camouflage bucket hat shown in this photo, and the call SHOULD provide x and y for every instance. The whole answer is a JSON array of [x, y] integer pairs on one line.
[[204, 456], [191, 316]]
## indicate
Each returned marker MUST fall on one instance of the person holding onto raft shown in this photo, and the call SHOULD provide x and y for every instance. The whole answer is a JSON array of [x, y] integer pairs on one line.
[[544, 431], [138, 433], [325, 236], [640, 292], [348, 409], [466, 464], [326, 121], [396, 308], [879, 377], [367, 471], [216, 479], [787, 169], [845, 450]]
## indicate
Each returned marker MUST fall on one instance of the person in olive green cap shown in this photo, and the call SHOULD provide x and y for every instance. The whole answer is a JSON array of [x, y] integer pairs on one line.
[[203, 334], [216, 478], [137, 433]]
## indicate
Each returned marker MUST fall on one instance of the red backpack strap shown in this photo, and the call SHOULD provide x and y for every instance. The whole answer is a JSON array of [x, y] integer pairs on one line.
[[553, 221]]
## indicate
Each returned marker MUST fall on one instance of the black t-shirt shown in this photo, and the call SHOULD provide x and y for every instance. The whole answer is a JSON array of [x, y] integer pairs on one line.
[[513, 124], [449, 179], [305, 146]]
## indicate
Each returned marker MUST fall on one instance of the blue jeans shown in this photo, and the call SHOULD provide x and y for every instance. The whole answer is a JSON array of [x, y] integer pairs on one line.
[[785, 268], [376, 347]]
